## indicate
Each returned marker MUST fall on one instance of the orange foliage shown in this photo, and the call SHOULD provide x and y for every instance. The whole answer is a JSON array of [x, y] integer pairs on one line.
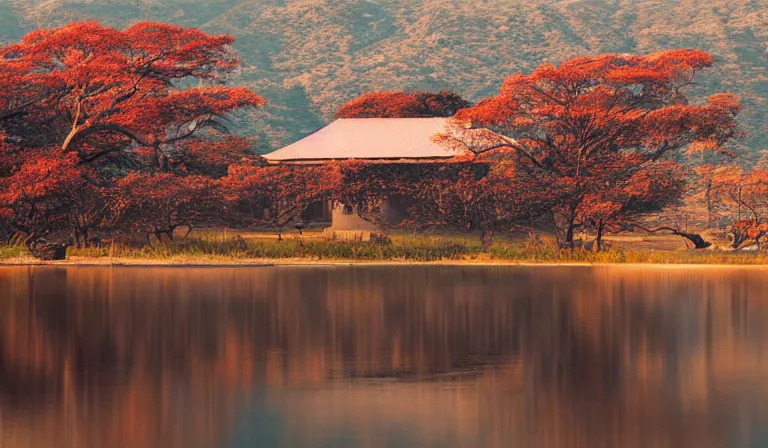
[[747, 230], [103, 82], [88, 98], [275, 196], [159, 204], [209, 157], [588, 129], [467, 197], [38, 198], [403, 105], [586, 144]]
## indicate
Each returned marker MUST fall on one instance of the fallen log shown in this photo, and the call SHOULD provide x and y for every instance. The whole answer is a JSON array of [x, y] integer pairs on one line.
[[49, 251], [697, 240]]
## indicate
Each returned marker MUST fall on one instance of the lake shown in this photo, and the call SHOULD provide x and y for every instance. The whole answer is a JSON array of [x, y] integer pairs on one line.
[[402, 356]]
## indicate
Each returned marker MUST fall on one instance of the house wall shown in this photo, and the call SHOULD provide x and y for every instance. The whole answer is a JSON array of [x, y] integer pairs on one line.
[[345, 223], [346, 218]]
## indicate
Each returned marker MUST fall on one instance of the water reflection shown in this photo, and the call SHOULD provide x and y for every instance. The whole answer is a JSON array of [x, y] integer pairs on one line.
[[363, 356]]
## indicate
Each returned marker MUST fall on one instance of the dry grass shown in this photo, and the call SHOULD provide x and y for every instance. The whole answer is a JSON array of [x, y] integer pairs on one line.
[[13, 252], [259, 248]]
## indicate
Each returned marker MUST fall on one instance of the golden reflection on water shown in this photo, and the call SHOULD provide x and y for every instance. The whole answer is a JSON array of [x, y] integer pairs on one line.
[[383, 356]]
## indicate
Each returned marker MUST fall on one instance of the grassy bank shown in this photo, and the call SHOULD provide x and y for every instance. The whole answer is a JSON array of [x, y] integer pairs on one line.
[[233, 249]]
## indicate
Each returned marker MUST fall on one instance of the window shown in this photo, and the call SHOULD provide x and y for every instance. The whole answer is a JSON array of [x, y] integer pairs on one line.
[[347, 210]]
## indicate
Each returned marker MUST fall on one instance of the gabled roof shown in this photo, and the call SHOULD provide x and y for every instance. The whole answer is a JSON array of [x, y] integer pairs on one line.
[[369, 139]]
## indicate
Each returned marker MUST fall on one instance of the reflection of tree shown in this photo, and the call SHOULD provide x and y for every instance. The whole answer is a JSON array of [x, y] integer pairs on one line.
[[550, 357]]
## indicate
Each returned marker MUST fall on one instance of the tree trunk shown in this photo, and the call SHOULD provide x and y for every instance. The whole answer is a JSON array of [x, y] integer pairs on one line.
[[486, 240], [708, 197], [599, 240], [17, 238], [565, 228], [569, 235], [696, 239], [566, 237], [164, 236]]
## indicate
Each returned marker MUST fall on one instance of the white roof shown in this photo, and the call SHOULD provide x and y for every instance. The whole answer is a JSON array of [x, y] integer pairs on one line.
[[369, 138]]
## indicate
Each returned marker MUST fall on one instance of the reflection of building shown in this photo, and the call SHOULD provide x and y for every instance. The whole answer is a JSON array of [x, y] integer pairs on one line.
[[384, 141]]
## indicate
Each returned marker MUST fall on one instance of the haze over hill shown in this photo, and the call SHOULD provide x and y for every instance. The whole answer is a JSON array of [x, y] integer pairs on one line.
[[310, 56]]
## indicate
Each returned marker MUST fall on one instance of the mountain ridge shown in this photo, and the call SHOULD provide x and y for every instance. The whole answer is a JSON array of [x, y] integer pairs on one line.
[[310, 56]]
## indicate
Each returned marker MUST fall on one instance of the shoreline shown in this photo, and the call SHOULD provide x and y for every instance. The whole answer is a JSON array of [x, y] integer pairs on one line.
[[290, 262]]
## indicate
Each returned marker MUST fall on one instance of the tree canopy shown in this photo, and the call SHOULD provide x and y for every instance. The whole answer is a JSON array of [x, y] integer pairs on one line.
[[127, 131], [403, 105], [593, 127], [87, 103]]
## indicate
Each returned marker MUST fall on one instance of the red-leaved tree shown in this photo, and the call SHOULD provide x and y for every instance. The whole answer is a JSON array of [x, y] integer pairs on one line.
[[403, 105], [749, 194], [97, 90], [276, 196], [719, 187], [640, 189], [91, 98], [159, 204], [39, 198], [467, 197], [569, 128]]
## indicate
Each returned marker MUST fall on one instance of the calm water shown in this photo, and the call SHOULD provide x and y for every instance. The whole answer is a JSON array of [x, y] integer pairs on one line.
[[390, 356]]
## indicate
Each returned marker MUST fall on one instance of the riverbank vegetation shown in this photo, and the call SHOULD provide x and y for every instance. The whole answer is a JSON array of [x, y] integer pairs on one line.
[[116, 140], [215, 248]]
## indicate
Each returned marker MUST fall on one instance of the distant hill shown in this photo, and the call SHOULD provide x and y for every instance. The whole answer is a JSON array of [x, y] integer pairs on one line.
[[310, 56]]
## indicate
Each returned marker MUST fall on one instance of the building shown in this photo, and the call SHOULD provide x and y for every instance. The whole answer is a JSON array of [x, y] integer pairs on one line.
[[371, 140]]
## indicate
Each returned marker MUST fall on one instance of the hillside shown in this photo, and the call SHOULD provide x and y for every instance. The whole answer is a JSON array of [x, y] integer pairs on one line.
[[310, 56]]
